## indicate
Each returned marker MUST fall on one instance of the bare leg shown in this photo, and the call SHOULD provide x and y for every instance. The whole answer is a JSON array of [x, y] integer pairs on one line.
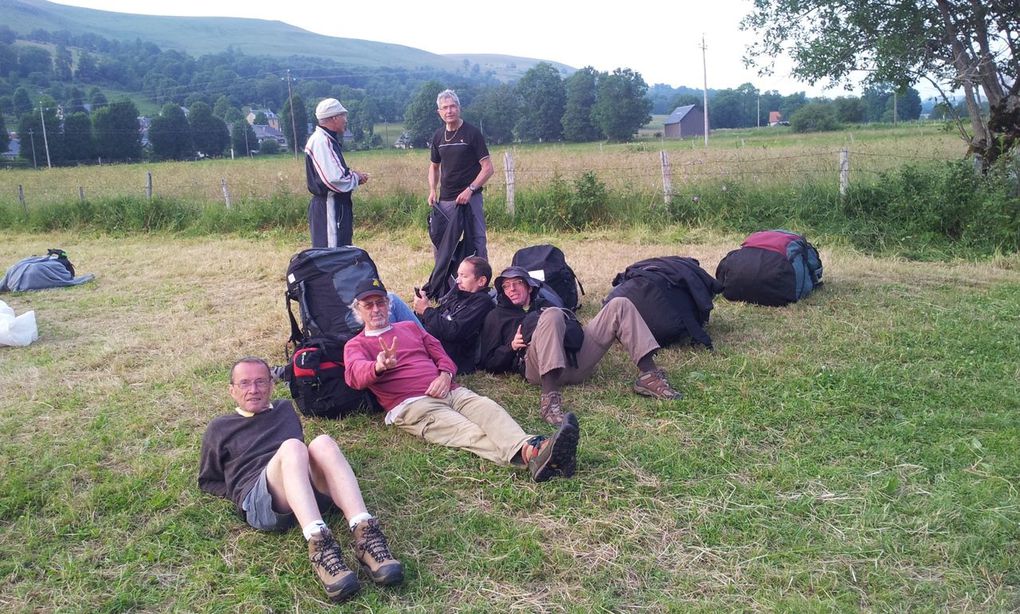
[[331, 473], [287, 476]]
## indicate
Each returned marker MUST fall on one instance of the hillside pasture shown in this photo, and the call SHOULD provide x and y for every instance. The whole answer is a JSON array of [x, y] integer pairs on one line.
[[856, 451]]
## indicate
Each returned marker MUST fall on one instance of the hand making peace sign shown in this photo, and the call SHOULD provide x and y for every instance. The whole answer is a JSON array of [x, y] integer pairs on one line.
[[387, 358]]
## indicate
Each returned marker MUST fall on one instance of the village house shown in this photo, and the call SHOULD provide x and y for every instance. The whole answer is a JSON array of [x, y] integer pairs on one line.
[[271, 119]]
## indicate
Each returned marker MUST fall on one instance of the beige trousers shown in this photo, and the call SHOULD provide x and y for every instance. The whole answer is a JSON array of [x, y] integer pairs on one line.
[[619, 321], [465, 420]]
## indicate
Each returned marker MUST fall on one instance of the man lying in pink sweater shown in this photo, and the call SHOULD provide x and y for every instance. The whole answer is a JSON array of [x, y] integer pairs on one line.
[[413, 378]]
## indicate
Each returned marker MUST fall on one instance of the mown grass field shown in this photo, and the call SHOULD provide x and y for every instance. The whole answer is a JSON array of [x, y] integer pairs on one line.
[[856, 451]]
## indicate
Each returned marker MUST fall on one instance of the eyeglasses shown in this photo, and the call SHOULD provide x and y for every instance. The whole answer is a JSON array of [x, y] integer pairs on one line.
[[248, 383], [513, 283], [379, 303]]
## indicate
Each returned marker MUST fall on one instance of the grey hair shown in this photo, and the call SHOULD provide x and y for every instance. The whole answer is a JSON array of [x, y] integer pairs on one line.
[[354, 312], [255, 360], [452, 95]]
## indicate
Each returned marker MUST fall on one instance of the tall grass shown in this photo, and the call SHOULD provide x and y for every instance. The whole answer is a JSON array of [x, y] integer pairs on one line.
[[919, 207]]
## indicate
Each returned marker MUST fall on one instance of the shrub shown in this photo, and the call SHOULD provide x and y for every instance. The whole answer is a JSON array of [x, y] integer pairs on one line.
[[814, 117], [586, 206], [942, 203]]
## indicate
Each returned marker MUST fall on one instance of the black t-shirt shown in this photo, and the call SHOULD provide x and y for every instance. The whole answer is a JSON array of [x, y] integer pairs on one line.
[[459, 154]]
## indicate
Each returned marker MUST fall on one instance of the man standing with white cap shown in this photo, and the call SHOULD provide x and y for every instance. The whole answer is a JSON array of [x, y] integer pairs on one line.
[[330, 180]]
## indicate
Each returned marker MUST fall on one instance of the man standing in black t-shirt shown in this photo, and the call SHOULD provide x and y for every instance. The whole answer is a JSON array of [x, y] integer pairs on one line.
[[460, 166]]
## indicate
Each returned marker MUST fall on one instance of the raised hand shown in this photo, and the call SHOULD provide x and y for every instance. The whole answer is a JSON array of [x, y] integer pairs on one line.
[[387, 358], [518, 341]]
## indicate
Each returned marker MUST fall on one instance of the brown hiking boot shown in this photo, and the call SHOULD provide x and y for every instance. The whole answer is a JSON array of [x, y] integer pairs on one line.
[[340, 582], [557, 454], [374, 554], [653, 384], [552, 408]]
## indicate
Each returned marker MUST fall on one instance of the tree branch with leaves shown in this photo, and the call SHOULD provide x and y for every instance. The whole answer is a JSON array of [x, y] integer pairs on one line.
[[958, 45]]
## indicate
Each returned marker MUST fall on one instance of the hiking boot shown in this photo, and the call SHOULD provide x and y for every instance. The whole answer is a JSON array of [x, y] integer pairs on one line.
[[568, 466], [552, 408], [374, 554], [340, 582], [556, 454], [653, 384]]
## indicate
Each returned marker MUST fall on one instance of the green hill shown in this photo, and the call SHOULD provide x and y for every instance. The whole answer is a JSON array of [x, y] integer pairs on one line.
[[198, 36]]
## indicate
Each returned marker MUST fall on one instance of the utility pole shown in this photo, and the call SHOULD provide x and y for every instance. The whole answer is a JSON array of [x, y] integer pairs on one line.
[[31, 134], [894, 109], [758, 113], [46, 142], [704, 69], [293, 122]]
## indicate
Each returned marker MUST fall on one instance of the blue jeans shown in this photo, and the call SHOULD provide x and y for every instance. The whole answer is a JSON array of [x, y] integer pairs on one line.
[[400, 312]]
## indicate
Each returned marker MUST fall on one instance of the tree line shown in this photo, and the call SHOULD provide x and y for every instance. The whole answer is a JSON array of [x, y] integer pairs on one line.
[[57, 80]]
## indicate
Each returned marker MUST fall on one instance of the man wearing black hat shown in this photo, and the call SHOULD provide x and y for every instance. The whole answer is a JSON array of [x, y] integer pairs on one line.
[[413, 379], [330, 180], [524, 333]]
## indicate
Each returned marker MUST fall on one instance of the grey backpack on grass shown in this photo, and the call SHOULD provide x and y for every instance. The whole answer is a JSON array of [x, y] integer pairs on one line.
[[53, 270]]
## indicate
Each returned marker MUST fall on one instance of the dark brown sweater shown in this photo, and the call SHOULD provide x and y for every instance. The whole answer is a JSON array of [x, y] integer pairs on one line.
[[235, 449]]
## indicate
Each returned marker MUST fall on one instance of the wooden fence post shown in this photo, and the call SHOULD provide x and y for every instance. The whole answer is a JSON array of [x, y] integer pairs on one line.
[[844, 172], [226, 192], [508, 167], [81, 194], [21, 197], [148, 185], [667, 178]]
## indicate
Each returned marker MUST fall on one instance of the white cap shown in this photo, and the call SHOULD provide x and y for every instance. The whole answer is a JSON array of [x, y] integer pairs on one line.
[[329, 107]]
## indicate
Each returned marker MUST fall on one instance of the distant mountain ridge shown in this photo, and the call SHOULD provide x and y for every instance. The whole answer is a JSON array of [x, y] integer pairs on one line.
[[199, 36]]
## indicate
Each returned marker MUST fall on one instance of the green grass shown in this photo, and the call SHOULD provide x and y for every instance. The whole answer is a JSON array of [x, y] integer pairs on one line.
[[856, 451]]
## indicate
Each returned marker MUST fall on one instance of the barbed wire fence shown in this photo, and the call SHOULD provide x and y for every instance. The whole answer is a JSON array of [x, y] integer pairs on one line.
[[659, 175]]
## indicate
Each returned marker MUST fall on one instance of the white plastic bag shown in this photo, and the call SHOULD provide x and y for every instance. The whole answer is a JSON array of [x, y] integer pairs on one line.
[[18, 331]]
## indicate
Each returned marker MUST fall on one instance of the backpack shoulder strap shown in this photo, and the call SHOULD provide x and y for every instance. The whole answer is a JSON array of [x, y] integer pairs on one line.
[[295, 330]]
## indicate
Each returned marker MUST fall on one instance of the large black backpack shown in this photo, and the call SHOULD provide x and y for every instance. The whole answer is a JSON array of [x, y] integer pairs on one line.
[[772, 267], [674, 296], [322, 281], [547, 263]]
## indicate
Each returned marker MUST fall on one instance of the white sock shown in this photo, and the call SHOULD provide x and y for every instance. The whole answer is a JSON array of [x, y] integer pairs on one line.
[[353, 522], [313, 528]]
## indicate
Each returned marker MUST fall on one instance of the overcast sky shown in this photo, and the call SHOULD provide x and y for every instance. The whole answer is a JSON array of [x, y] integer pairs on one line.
[[660, 40]]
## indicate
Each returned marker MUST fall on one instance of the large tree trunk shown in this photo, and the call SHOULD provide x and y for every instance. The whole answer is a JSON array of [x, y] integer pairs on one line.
[[1003, 128]]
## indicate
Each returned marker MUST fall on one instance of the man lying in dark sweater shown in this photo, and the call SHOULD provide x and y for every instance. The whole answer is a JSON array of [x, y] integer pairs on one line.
[[257, 458], [457, 320]]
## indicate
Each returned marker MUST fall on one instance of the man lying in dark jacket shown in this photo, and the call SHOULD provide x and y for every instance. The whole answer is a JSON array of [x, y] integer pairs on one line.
[[457, 320], [524, 333], [503, 322]]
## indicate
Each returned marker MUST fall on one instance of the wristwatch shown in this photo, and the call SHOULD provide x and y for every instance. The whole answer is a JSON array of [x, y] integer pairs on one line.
[[473, 188]]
